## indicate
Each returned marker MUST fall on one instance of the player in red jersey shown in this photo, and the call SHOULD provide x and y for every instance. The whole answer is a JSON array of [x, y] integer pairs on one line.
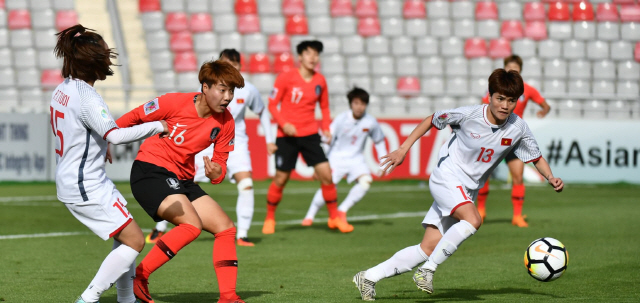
[[162, 174], [297, 92], [516, 166]]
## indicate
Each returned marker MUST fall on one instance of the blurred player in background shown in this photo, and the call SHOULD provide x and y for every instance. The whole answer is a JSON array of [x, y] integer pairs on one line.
[[162, 174], [346, 153], [297, 92], [516, 166], [83, 125], [239, 162], [482, 135]]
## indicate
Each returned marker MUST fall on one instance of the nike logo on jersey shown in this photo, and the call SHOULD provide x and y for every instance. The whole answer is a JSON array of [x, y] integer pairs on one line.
[[180, 125]]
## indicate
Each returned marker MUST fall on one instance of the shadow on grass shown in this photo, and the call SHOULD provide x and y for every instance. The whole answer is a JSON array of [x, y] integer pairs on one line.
[[497, 221], [459, 294], [198, 296]]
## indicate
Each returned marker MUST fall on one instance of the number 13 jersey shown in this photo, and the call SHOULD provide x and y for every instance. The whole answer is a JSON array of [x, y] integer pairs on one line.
[[477, 146]]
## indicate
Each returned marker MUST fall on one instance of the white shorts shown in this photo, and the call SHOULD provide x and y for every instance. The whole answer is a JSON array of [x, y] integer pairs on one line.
[[239, 161], [351, 168], [448, 194], [105, 216]]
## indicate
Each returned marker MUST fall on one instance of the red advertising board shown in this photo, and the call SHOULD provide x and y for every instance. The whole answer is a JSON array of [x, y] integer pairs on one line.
[[418, 164]]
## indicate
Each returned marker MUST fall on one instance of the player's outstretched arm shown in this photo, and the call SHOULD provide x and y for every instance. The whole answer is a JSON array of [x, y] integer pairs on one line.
[[137, 132], [543, 168], [396, 157]]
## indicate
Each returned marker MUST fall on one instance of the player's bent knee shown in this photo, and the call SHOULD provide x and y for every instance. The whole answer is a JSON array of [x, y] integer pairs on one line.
[[245, 184], [365, 182]]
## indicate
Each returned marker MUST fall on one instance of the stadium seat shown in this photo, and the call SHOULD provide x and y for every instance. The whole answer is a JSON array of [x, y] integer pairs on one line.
[[390, 9], [245, 7], [395, 106], [293, 7], [462, 10], [579, 88], [344, 26], [9, 98], [182, 41], [363, 82], [297, 39], [320, 25], [249, 24], [499, 48], [283, 62], [480, 67], [441, 103], [580, 69], [148, 6], [604, 69], [204, 42], [437, 9], [44, 39], [297, 25], [152, 21], [457, 86], [158, 40], [432, 66], [270, 8], [255, 43], [583, 11], [278, 44], [197, 6], [604, 89], [524, 48], [558, 11], [469, 100], [419, 104], [208, 56], [172, 5], [176, 22], [273, 25], [456, 67], [392, 27], [573, 49], [382, 65], [414, 9], [608, 31], [511, 29], [384, 86], [200, 22], [24, 58], [223, 7], [226, 23], [369, 27], [352, 45], [42, 19], [7, 77], [259, 63], [536, 30], [560, 30], [534, 11], [341, 8], [440, 28], [185, 61], [317, 7], [475, 47], [50, 78], [464, 28], [594, 109], [597, 50], [510, 10], [407, 66], [549, 49], [630, 13], [338, 84], [584, 30], [331, 45], [451, 47], [478, 87], [636, 52], [569, 109], [630, 31], [432, 86], [429, 46], [358, 65], [401, 46], [621, 50], [627, 89], [417, 27], [618, 109], [377, 45], [486, 10], [4, 38], [185, 81], [19, 19], [366, 8], [531, 68], [554, 88], [628, 70], [607, 12], [21, 38], [66, 19], [164, 82], [5, 58], [555, 69], [161, 61], [488, 29], [408, 86], [231, 40]]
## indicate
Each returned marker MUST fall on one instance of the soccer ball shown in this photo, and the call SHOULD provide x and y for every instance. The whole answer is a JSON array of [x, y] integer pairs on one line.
[[546, 259]]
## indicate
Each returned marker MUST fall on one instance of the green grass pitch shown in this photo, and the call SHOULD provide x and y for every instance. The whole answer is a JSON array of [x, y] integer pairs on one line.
[[597, 223]]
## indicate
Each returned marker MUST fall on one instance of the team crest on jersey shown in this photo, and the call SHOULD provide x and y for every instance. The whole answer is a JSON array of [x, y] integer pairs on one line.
[[240, 101], [151, 106], [506, 142], [443, 116], [232, 142], [214, 133], [364, 130], [104, 114], [318, 90], [274, 93], [173, 183]]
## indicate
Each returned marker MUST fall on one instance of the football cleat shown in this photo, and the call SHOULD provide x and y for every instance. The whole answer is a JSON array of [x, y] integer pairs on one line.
[[154, 236], [366, 287], [230, 301], [245, 242], [519, 221], [80, 300], [424, 279], [307, 222], [141, 290], [340, 222], [269, 226]]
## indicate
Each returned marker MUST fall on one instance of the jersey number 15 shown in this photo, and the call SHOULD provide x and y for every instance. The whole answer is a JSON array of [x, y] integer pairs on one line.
[[55, 115]]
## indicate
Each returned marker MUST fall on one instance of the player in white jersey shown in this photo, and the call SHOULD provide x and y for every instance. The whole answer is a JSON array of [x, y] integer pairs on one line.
[[239, 162], [350, 131], [83, 127], [482, 136]]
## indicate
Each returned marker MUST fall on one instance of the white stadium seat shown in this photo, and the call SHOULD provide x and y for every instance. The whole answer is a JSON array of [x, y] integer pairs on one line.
[[204, 42], [629, 70], [619, 109], [392, 27], [333, 64], [320, 25], [464, 28], [573, 49], [627, 89], [510, 10], [225, 23], [457, 86], [462, 9], [549, 49], [524, 48], [555, 69], [407, 66], [440, 28], [480, 67], [419, 27], [437, 9], [457, 66], [630, 31], [451, 47], [344, 26], [560, 30], [382, 65], [604, 89], [390, 8], [488, 29], [608, 31], [358, 65], [272, 25], [352, 45], [263, 82], [432, 66], [597, 50], [580, 69], [402, 46], [427, 46], [584, 30], [579, 88], [377, 45], [621, 50], [432, 86], [604, 69]]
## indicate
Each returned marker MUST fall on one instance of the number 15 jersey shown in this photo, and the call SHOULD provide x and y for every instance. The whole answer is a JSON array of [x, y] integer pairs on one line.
[[477, 146]]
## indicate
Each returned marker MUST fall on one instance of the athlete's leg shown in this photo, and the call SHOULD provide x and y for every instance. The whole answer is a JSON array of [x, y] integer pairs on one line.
[[516, 168], [316, 203], [482, 199], [245, 204], [330, 195], [274, 195], [157, 232], [356, 193]]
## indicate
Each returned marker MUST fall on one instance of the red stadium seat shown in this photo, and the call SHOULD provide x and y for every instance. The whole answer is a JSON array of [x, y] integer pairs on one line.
[[259, 63], [558, 11], [607, 12], [408, 86], [297, 25], [180, 42], [630, 13], [248, 24], [583, 11], [341, 8], [148, 6], [413, 9], [366, 8], [246, 7], [19, 19], [486, 10], [637, 52], [499, 48], [2, 6], [200, 22], [283, 63], [536, 30], [534, 11], [185, 62], [292, 7], [244, 67], [369, 27], [279, 43], [176, 22], [66, 19], [624, 1], [50, 78], [475, 47], [511, 30]]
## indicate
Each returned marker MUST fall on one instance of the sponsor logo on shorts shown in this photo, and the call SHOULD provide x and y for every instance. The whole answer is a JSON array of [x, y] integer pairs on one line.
[[279, 161], [214, 133], [173, 183], [151, 106]]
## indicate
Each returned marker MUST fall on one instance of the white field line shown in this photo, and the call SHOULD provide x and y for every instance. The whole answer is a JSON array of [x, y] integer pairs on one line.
[[287, 222]]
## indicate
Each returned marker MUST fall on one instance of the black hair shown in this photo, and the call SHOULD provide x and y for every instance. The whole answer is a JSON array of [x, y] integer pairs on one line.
[[359, 93], [313, 44], [230, 53]]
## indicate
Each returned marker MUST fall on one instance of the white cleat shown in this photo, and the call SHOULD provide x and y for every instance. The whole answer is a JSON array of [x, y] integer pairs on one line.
[[80, 300], [424, 279], [366, 287]]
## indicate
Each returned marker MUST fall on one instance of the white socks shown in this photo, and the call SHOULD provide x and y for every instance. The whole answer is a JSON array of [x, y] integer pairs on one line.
[[162, 226], [356, 194], [124, 284], [316, 204], [403, 261], [118, 262], [244, 211], [449, 243]]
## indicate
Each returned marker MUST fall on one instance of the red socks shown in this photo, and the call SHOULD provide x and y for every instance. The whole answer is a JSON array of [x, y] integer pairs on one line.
[[330, 195], [482, 195], [517, 199], [166, 248], [274, 195], [225, 263]]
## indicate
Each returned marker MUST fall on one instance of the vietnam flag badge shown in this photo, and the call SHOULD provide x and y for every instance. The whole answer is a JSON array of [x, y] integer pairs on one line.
[[240, 101], [506, 142]]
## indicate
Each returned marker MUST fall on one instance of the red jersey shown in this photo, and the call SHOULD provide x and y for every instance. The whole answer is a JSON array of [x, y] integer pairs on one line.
[[188, 134], [297, 99], [530, 93]]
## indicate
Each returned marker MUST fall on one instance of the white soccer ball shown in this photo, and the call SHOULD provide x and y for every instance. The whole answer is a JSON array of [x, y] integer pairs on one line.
[[546, 259]]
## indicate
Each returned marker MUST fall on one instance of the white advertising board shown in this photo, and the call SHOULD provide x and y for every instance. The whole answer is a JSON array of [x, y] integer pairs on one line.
[[24, 147]]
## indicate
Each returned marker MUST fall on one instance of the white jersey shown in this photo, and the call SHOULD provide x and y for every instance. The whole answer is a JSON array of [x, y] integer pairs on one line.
[[248, 96], [350, 134], [80, 121], [476, 146]]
